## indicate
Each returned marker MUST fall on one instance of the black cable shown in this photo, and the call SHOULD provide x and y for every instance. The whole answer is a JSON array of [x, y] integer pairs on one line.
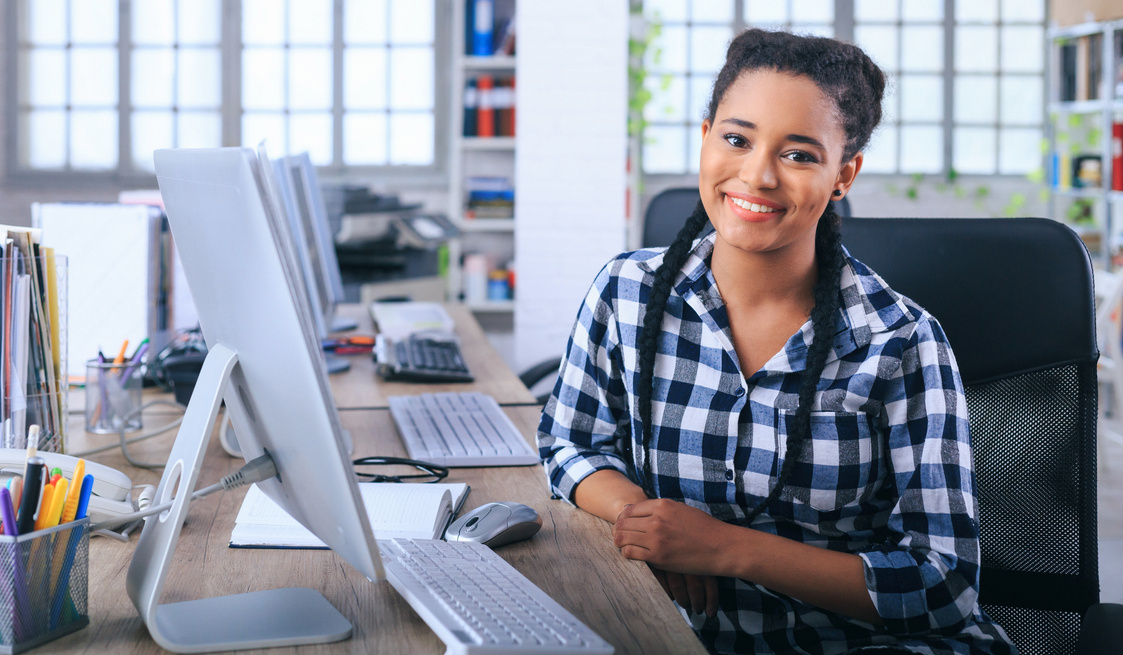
[[429, 470]]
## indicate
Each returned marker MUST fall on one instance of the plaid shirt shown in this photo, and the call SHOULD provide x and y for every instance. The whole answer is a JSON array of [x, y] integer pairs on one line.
[[887, 474]]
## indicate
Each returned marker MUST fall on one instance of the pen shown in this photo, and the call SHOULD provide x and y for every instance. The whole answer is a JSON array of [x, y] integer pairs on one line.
[[33, 480], [70, 510], [134, 362], [8, 514], [84, 497], [44, 507], [121, 355], [32, 440]]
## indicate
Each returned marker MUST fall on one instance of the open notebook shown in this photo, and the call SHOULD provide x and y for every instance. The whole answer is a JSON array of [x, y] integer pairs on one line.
[[416, 511]]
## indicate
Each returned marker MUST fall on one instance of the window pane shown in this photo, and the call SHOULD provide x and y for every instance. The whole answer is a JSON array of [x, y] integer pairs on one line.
[[310, 22], [922, 98], [668, 51], [151, 130], [200, 78], [46, 71], [263, 72], [921, 149], [364, 21], [664, 150], [922, 10], [1019, 151], [814, 30], [890, 111], [153, 76], [411, 21], [668, 11], [765, 12], [311, 133], [1022, 100], [880, 156], [411, 139], [812, 11], [880, 43], [411, 79], [153, 24], [262, 22], [93, 21], [974, 150], [200, 129], [93, 77], [707, 48], [925, 51], [46, 22], [878, 11], [364, 139], [976, 49], [976, 99], [310, 78], [1023, 10], [93, 139], [977, 11], [711, 11], [1022, 49], [364, 78], [700, 90], [46, 131], [668, 104], [258, 127], [693, 154], [200, 22]]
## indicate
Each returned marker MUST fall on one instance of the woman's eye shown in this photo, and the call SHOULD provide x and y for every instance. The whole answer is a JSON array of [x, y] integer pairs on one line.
[[801, 157], [736, 140]]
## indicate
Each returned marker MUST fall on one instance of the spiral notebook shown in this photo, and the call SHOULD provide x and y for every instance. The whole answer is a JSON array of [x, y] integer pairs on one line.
[[415, 511]]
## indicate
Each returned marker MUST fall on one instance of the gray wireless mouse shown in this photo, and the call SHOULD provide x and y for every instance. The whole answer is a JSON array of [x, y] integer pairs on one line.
[[495, 524]]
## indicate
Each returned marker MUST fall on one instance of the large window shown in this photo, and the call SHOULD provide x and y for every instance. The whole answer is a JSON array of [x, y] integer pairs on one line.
[[103, 83], [965, 93]]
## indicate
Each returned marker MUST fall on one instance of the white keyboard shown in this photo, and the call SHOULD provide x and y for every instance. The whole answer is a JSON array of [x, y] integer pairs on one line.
[[459, 429], [477, 603]]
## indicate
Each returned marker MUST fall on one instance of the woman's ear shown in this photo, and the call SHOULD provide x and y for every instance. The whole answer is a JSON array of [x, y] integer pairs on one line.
[[846, 176]]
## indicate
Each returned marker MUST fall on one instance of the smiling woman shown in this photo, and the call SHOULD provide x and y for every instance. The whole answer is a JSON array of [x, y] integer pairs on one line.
[[781, 437]]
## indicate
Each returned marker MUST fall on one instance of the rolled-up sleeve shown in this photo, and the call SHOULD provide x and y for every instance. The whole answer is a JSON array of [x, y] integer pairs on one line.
[[587, 416], [925, 578]]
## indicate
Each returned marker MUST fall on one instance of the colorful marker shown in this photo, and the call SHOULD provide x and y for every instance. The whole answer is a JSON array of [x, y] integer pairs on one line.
[[44, 507], [34, 478], [84, 497], [58, 499], [70, 510]]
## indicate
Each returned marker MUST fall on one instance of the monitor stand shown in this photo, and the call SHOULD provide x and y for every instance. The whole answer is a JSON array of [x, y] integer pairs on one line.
[[336, 364], [277, 617]]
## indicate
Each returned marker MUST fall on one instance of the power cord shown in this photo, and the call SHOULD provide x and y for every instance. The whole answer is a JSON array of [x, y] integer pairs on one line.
[[261, 468], [123, 442]]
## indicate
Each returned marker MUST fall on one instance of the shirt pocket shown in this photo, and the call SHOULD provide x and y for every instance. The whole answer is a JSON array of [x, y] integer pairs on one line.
[[836, 465]]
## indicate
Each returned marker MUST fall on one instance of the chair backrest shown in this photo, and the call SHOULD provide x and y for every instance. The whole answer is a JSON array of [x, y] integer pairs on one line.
[[669, 209], [1015, 298]]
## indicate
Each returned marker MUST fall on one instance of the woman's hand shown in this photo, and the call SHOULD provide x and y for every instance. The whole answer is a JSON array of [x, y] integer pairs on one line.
[[696, 593], [672, 536]]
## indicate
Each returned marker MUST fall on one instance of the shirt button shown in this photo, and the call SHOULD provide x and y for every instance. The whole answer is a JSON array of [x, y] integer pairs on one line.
[[740, 392], [728, 474]]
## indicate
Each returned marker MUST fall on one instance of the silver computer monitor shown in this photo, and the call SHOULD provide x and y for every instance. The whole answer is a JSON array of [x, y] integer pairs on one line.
[[264, 361]]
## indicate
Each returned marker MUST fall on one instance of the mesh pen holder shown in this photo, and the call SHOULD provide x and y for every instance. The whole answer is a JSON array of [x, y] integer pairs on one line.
[[113, 397], [44, 576]]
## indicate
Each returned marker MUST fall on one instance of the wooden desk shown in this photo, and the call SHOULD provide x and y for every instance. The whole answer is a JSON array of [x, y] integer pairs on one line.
[[361, 388], [572, 558]]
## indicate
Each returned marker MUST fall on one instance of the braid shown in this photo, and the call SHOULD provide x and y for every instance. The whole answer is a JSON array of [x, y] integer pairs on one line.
[[673, 260], [828, 251]]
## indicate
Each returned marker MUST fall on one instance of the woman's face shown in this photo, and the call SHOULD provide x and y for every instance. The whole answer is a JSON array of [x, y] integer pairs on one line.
[[770, 162]]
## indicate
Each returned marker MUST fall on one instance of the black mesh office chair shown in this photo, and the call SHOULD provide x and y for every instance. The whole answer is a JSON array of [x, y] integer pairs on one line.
[[1015, 298], [669, 209]]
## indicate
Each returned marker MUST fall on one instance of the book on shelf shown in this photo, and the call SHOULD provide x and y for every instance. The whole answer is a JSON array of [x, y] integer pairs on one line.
[[482, 20], [489, 197], [1118, 63], [1067, 73], [1117, 155], [489, 106], [1081, 69], [395, 510], [489, 27]]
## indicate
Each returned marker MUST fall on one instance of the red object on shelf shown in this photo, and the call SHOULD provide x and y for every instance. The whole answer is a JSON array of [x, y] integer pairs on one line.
[[1117, 156], [485, 115]]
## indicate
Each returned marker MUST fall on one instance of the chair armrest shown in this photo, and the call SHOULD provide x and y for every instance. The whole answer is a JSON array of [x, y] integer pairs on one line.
[[1102, 629]]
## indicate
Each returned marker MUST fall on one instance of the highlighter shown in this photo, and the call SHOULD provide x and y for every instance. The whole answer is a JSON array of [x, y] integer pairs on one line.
[[33, 480], [84, 496], [58, 499], [8, 514], [70, 510], [45, 506]]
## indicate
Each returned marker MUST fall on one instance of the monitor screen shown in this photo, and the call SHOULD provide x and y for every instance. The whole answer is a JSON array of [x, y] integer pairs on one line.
[[246, 282], [313, 212]]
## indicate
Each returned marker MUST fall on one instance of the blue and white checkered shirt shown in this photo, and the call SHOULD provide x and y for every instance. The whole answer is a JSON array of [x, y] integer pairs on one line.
[[888, 473]]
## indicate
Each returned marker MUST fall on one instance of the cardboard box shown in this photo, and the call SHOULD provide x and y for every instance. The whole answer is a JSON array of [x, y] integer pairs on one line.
[[1074, 12]]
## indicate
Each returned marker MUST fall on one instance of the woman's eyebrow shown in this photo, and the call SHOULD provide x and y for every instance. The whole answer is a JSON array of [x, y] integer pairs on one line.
[[798, 138]]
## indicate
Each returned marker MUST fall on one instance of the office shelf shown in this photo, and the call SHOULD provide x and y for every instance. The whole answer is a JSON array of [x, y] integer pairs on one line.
[[492, 306], [486, 225], [487, 143], [492, 63]]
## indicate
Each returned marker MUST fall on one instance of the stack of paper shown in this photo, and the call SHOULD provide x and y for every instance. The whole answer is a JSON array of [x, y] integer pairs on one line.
[[414, 511]]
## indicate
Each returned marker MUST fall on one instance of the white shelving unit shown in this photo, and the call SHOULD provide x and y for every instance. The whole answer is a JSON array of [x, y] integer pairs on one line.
[[476, 156], [1099, 115]]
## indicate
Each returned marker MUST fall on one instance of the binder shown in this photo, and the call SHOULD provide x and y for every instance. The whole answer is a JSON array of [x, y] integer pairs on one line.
[[485, 115], [483, 26], [1117, 156], [471, 104]]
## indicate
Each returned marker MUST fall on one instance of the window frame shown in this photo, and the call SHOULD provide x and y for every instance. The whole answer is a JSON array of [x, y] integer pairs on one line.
[[844, 29], [126, 174]]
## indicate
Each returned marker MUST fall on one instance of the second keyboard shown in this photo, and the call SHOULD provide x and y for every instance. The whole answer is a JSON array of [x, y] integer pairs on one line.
[[459, 429]]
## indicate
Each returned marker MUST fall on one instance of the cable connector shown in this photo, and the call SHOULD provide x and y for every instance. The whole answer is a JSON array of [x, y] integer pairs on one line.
[[261, 468]]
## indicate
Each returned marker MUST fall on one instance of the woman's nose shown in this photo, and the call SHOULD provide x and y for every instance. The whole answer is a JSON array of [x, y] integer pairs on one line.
[[758, 170]]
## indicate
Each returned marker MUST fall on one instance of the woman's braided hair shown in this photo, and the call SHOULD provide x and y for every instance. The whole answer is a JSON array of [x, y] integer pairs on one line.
[[846, 75]]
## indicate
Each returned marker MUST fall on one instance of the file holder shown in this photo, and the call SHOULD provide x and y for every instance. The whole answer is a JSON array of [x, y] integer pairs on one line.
[[44, 577]]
